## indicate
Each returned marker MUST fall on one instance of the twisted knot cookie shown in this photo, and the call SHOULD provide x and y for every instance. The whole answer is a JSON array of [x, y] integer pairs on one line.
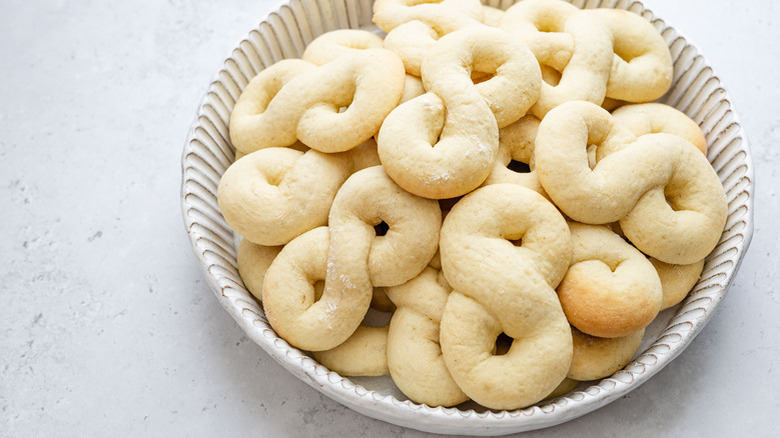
[[516, 144], [599, 53], [331, 108], [500, 287], [362, 354], [253, 261], [413, 27], [595, 358], [676, 280], [350, 258], [610, 289], [653, 118], [667, 197], [491, 16], [273, 195], [334, 44], [438, 153], [413, 351], [642, 67], [568, 40]]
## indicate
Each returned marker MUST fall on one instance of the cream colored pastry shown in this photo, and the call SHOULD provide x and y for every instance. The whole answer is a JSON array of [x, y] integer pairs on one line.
[[677, 280], [362, 354], [351, 259], [246, 119], [438, 153], [668, 199], [273, 195], [611, 289], [491, 16], [331, 108], [595, 358], [253, 261], [516, 143], [499, 287], [413, 352], [331, 45], [642, 64], [652, 118]]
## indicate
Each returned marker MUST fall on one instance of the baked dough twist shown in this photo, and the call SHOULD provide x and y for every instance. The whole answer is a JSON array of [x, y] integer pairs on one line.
[[413, 350], [253, 261], [642, 67], [465, 136], [569, 40], [499, 287], [653, 118], [611, 289], [336, 43], [350, 258], [595, 358], [516, 143], [365, 84], [273, 195], [667, 197]]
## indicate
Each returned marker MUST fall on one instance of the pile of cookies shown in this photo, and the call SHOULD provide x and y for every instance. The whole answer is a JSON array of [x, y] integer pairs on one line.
[[465, 174]]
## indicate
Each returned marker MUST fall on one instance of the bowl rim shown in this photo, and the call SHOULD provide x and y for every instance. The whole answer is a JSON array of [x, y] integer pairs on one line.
[[452, 420]]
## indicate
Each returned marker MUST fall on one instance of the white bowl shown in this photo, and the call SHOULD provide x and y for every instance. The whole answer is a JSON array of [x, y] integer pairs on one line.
[[696, 90]]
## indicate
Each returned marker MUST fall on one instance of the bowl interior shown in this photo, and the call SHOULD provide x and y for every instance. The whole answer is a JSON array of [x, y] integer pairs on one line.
[[696, 91]]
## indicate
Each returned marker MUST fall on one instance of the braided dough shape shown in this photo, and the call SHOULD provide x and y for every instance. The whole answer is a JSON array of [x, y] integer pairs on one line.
[[368, 83], [413, 350], [351, 259], [443, 154], [668, 199], [274, 195], [653, 118], [499, 287]]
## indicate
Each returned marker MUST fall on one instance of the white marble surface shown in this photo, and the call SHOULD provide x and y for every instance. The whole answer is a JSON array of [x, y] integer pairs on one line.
[[106, 328]]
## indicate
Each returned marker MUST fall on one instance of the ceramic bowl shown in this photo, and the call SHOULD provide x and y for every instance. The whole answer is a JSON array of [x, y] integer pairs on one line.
[[696, 90]]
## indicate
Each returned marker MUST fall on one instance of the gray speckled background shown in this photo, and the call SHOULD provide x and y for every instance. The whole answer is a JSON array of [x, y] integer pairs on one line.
[[106, 327]]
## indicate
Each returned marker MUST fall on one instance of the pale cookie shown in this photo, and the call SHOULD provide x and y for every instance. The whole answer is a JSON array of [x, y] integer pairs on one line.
[[413, 350], [541, 25], [331, 108], [500, 287], [245, 134], [273, 195], [253, 261], [595, 358], [389, 14], [331, 45], [677, 280], [653, 118], [491, 16], [667, 197], [351, 259], [642, 67], [516, 145], [611, 289], [571, 41], [362, 354], [443, 154]]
